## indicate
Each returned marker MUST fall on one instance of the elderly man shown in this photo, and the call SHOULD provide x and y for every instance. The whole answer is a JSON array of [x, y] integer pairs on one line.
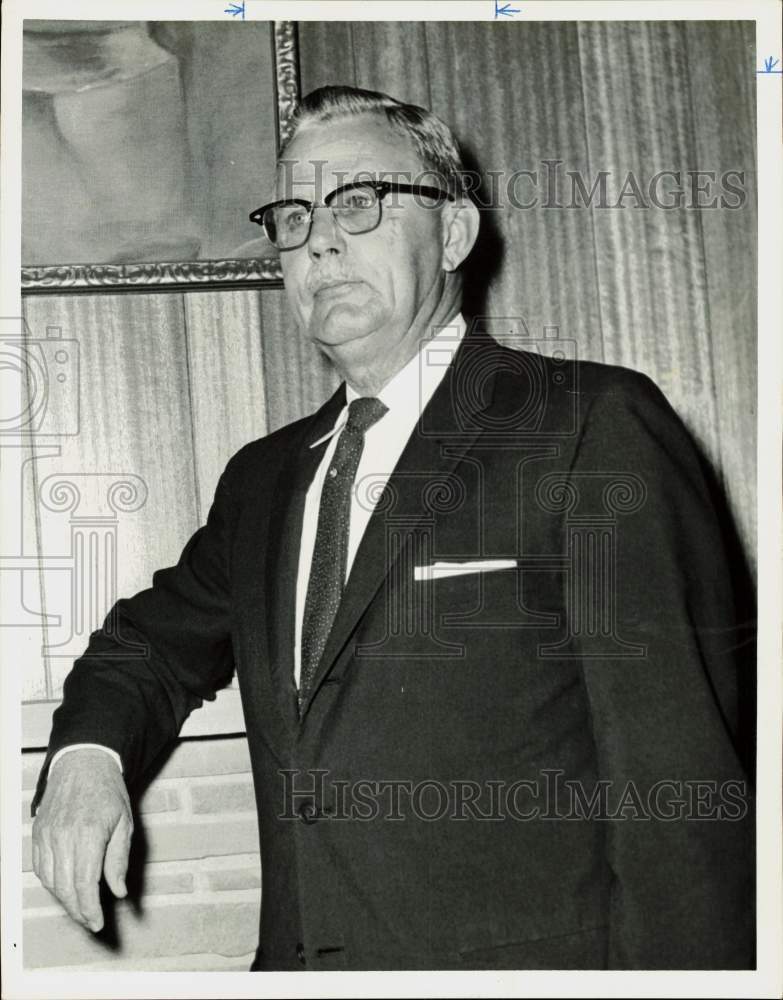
[[476, 605]]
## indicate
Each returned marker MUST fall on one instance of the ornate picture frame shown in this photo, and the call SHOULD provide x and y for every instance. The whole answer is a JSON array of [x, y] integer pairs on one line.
[[255, 265]]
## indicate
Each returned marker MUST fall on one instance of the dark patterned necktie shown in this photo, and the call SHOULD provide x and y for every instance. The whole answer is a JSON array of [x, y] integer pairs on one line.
[[330, 553]]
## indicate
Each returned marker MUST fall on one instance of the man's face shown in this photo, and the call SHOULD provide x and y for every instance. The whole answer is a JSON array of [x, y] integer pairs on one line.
[[360, 296]]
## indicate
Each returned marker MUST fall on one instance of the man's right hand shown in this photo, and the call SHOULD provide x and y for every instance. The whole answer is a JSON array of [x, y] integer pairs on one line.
[[83, 827]]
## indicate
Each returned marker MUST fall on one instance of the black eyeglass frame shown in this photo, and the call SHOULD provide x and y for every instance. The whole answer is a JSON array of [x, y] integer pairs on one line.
[[381, 189]]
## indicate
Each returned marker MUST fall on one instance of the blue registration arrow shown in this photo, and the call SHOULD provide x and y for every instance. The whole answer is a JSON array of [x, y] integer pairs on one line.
[[769, 66], [236, 9], [506, 10]]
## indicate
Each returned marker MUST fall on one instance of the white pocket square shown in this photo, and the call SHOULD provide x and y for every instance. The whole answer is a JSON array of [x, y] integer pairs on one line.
[[439, 570]]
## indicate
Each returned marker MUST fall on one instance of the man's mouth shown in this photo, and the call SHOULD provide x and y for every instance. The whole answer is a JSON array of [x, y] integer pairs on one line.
[[335, 289]]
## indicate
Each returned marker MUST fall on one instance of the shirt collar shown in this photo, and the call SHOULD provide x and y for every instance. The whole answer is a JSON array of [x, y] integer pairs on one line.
[[417, 380]]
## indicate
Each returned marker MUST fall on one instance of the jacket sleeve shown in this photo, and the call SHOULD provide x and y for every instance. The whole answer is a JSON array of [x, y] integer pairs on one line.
[[666, 722], [157, 656]]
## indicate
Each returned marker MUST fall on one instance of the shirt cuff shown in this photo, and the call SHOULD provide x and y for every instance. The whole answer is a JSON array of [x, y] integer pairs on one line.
[[86, 746]]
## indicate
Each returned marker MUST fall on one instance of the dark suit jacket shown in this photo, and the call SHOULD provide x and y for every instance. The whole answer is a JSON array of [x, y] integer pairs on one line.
[[576, 714]]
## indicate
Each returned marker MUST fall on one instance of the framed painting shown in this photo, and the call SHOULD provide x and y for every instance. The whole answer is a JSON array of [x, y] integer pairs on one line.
[[145, 146]]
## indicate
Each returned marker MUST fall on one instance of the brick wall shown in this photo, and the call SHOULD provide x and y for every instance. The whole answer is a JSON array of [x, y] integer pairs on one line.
[[194, 882]]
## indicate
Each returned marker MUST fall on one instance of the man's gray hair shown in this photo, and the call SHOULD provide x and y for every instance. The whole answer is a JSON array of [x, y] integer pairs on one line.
[[432, 139]]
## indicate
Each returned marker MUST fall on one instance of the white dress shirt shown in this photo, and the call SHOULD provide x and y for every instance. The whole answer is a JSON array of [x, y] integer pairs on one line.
[[405, 396]]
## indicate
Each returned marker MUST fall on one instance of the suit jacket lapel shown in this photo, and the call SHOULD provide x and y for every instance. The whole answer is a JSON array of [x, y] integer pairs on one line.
[[285, 531], [447, 429]]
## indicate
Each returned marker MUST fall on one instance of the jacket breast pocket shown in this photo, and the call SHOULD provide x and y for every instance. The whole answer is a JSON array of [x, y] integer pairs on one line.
[[472, 599]]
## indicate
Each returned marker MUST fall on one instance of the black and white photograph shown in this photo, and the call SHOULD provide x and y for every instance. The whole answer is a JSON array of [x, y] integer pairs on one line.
[[391, 447]]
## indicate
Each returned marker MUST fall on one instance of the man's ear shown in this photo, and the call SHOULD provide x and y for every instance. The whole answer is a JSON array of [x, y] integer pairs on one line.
[[460, 229]]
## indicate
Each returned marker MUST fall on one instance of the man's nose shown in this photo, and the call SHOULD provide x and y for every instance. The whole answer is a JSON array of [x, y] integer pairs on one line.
[[326, 237]]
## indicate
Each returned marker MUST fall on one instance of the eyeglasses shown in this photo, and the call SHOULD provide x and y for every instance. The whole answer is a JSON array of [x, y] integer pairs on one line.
[[355, 207]]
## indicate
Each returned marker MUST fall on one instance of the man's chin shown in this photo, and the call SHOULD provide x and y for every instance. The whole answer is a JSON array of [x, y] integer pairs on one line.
[[341, 325]]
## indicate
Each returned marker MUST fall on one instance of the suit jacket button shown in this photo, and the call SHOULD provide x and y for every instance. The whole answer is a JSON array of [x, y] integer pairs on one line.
[[300, 954], [308, 813]]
